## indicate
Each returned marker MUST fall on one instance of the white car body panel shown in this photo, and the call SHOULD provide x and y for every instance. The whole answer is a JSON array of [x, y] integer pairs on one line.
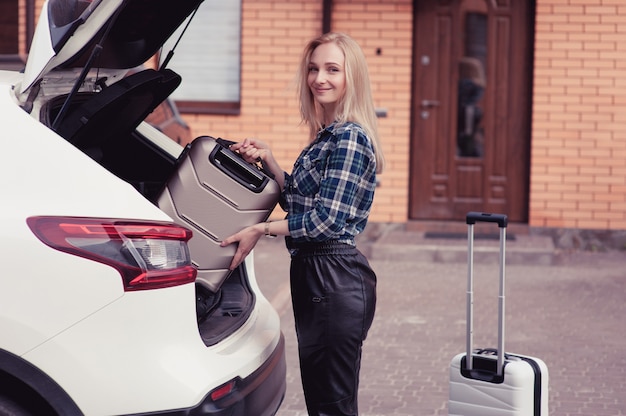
[[180, 354], [111, 351], [71, 185], [60, 174]]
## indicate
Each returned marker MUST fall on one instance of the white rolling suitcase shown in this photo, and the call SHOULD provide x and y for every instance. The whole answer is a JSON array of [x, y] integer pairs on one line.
[[485, 382]]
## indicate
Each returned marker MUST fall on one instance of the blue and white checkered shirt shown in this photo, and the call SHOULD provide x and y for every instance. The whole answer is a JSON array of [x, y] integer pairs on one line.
[[329, 194]]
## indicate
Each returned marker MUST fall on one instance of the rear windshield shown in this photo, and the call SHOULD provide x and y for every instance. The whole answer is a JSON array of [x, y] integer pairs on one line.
[[64, 12]]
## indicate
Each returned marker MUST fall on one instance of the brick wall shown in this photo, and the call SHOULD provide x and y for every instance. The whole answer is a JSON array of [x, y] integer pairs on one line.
[[578, 166], [273, 37], [384, 31]]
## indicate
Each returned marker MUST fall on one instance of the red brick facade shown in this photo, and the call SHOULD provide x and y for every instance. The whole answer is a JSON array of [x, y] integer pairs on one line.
[[274, 34], [578, 143], [578, 167]]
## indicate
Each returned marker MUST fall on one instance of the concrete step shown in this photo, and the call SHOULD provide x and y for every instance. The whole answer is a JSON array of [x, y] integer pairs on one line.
[[407, 245]]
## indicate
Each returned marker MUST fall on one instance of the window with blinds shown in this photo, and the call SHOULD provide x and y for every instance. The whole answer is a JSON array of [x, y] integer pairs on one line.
[[208, 58]]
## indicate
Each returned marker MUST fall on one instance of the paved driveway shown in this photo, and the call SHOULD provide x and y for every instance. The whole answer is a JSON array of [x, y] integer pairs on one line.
[[572, 315]]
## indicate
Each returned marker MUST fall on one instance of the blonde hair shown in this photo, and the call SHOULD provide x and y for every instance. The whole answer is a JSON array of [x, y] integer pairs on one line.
[[356, 105]]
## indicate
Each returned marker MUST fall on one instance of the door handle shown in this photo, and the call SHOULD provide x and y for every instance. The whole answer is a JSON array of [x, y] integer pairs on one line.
[[430, 103]]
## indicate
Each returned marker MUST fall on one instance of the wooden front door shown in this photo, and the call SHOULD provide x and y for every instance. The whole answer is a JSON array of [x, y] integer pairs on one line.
[[470, 135]]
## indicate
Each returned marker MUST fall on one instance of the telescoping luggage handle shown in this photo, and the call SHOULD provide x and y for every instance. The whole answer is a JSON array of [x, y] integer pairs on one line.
[[471, 219]]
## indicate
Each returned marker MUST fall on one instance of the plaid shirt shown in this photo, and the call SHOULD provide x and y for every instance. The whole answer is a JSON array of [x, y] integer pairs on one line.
[[329, 194]]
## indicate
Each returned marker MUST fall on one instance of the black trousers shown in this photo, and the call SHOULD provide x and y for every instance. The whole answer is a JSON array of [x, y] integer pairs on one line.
[[333, 292]]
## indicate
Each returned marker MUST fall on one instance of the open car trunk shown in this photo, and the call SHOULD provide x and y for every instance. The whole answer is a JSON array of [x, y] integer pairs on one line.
[[76, 82], [107, 126]]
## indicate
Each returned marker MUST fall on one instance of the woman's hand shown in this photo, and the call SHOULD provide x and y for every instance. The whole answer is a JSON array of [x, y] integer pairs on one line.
[[246, 239], [253, 150]]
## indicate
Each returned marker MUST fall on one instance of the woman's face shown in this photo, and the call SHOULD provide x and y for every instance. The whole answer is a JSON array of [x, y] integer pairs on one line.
[[327, 77]]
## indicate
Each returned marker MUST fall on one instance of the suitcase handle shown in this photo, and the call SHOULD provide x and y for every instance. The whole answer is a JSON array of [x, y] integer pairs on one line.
[[474, 217], [264, 168], [502, 221], [241, 171]]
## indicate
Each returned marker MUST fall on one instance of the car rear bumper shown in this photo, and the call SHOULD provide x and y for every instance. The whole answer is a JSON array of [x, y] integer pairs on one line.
[[259, 394]]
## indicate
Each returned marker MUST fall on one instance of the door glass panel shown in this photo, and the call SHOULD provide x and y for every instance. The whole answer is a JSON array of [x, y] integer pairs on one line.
[[9, 29], [472, 83]]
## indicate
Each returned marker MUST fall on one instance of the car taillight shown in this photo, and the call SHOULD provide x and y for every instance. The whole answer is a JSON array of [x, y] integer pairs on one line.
[[148, 255]]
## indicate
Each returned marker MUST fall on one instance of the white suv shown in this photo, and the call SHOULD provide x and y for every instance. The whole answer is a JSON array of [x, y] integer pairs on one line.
[[99, 309]]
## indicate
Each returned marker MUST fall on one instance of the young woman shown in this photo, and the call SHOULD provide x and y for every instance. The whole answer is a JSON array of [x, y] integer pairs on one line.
[[327, 197]]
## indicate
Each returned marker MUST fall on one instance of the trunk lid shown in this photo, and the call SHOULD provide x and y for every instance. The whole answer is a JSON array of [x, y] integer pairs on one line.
[[129, 32]]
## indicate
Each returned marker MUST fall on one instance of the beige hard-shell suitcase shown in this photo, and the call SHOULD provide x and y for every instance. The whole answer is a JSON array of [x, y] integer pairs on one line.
[[215, 193]]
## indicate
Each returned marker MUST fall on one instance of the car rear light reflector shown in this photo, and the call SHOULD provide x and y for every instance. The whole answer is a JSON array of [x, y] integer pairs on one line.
[[148, 254], [223, 391]]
